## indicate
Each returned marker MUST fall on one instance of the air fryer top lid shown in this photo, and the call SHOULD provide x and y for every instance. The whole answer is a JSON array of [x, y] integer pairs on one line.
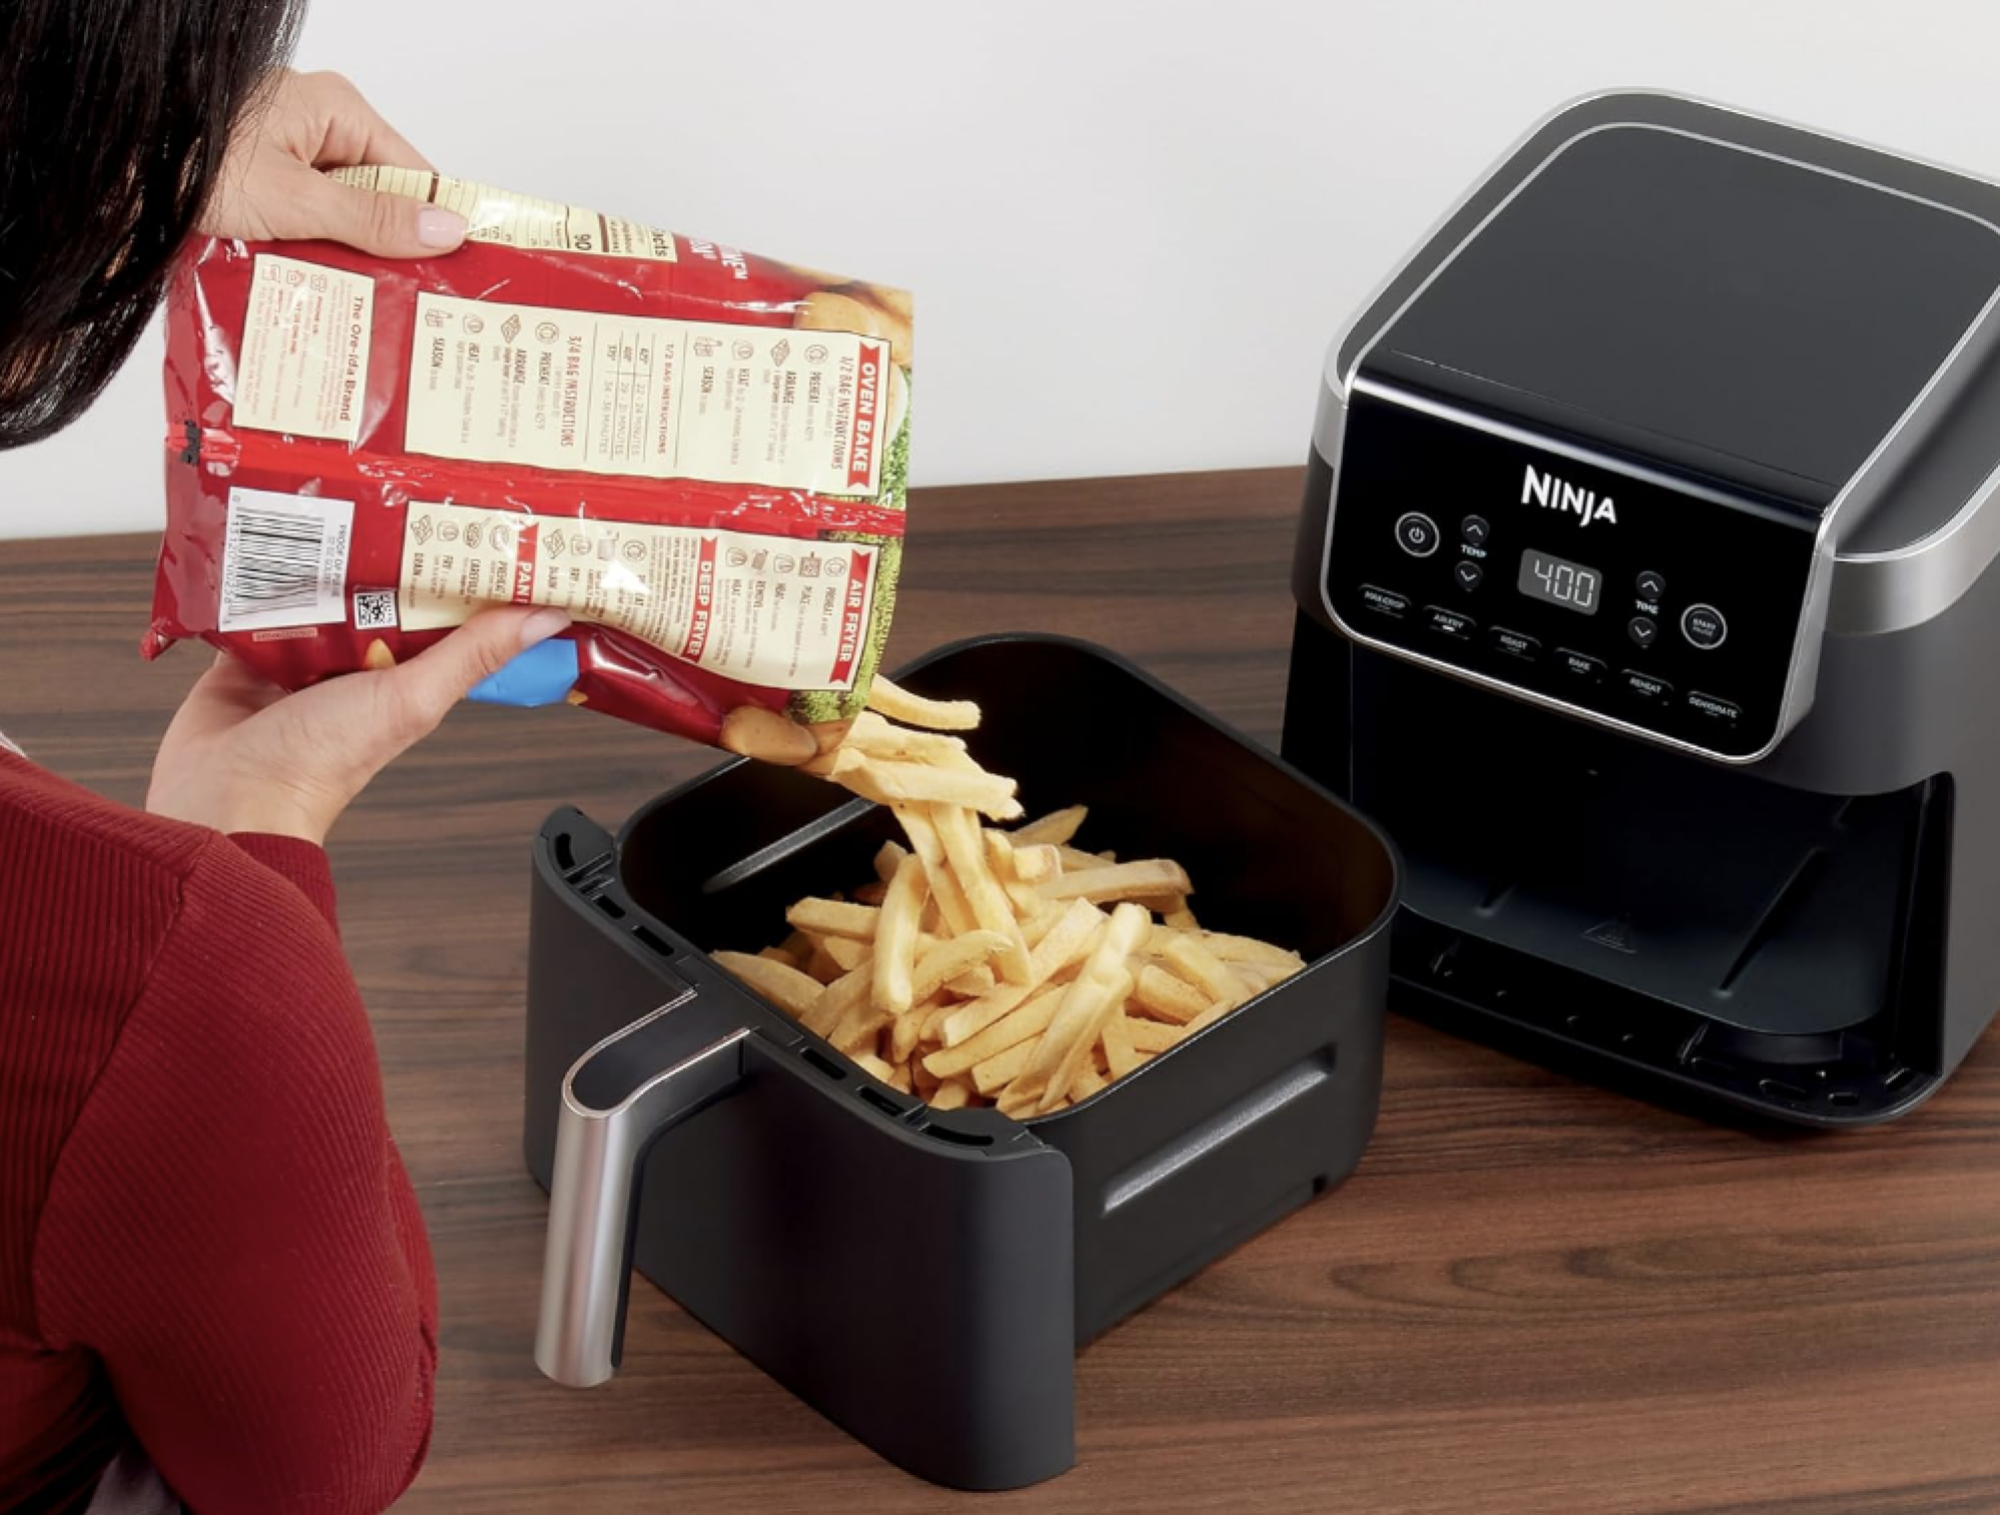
[[1737, 302]]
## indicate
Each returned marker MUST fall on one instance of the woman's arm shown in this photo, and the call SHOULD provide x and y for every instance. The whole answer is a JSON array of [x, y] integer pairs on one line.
[[230, 1228]]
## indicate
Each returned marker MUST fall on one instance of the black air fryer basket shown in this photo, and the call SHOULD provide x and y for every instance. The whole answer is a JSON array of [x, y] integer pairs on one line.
[[771, 1184]]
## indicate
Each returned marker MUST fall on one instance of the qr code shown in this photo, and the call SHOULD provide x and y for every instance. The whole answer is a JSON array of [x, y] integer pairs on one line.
[[374, 609]]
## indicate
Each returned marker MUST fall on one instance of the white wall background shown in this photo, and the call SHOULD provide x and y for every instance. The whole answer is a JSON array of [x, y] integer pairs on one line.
[[1132, 227]]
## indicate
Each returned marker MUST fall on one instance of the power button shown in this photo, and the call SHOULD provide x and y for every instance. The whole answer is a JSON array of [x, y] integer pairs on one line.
[[1417, 534]]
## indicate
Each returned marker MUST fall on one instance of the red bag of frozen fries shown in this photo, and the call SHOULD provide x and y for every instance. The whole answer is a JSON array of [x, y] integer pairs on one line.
[[698, 453]]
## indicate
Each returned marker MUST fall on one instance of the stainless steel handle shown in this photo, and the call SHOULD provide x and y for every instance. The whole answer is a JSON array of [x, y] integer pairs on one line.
[[602, 1138]]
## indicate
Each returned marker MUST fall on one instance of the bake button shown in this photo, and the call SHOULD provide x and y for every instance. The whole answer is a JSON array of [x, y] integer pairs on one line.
[[1515, 644], [1581, 665], [1475, 530], [1645, 686], [1704, 627], [1651, 586], [1385, 600], [1467, 574], [1715, 709], [1451, 623], [1417, 534], [1643, 629]]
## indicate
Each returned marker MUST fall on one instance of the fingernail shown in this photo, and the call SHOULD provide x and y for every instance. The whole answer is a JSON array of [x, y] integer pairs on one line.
[[438, 227], [542, 625]]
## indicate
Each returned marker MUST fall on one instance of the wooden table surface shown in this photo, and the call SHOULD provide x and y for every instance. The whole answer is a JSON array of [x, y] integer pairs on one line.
[[1533, 1296]]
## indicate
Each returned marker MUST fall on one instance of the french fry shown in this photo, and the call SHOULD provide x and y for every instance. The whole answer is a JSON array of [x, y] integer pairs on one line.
[[840, 998], [1182, 920], [1018, 1103], [875, 737], [1001, 1069], [896, 938], [845, 951], [923, 1083], [790, 990], [1033, 864], [859, 1028], [952, 1094], [1074, 861], [1091, 1002], [1151, 1038], [979, 981], [899, 1079], [945, 889], [1088, 1082], [1210, 1016], [1119, 881], [887, 856], [899, 704], [1247, 949], [798, 946], [1167, 996], [1066, 942], [1120, 1056], [1054, 829], [1100, 988], [822, 917], [905, 1034], [895, 783], [959, 832], [821, 967], [940, 964], [779, 955], [1200, 967], [871, 1065], [871, 893], [1024, 1023]]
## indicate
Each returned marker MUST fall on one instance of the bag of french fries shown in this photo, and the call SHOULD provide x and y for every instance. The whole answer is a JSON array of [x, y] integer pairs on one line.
[[989, 964], [699, 453]]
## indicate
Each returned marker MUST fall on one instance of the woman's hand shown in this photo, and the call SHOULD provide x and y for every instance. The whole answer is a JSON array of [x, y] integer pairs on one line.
[[243, 756], [271, 188]]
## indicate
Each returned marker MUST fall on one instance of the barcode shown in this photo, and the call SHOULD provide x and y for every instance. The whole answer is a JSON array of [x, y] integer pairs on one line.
[[284, 560], [273, 562]]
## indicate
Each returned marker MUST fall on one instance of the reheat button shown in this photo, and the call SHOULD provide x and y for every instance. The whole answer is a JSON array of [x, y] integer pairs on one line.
[[1645, 686]]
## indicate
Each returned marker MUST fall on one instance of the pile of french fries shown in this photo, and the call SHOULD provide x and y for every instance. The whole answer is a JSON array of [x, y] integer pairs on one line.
[[984, 966]]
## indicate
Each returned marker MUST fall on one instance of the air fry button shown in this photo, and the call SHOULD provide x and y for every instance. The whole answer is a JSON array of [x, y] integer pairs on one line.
[[1450, 623]]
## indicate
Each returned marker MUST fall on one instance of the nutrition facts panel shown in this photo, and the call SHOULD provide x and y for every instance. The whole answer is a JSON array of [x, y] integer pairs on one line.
[[656, 399]]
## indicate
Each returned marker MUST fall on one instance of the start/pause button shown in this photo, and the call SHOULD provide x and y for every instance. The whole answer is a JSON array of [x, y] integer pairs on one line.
[[1704, 627]]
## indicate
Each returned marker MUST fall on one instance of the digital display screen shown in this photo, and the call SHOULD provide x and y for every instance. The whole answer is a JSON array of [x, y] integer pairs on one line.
[[1570, 585]]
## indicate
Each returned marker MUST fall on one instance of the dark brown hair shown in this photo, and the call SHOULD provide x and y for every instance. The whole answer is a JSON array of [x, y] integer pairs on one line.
[[114, 118]]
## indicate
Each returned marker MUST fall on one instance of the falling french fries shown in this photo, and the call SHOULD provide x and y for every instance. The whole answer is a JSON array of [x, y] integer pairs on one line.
[[985, 966]]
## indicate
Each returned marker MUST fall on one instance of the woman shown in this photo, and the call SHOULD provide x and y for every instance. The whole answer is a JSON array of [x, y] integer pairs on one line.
[[215, 1289]]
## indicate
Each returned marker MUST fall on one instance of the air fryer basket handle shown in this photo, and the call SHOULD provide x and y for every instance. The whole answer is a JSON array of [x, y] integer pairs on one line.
[[618, 1100]]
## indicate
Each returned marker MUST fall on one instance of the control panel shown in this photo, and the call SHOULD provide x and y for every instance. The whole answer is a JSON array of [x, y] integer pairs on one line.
[[1619, 591]]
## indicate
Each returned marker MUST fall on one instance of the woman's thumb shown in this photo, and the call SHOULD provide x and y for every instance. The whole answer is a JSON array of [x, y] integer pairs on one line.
[[385, 226], [440, 677]]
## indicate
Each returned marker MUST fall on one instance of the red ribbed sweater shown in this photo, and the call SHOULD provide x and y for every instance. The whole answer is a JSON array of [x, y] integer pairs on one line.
[[207, 1240]]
